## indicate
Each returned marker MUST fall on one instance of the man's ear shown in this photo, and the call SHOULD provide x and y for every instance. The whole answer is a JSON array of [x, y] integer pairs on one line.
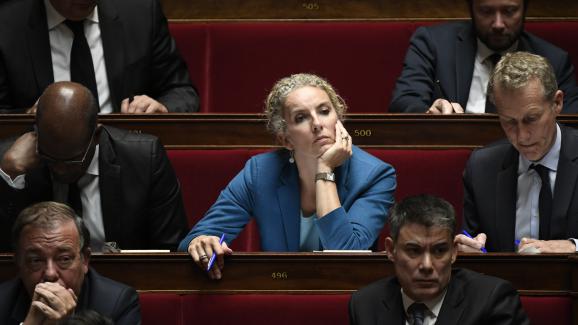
[[389, 248], [558, 101], [86, 253]]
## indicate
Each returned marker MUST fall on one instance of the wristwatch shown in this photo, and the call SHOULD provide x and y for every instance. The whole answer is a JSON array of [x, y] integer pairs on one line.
[[325, 176]]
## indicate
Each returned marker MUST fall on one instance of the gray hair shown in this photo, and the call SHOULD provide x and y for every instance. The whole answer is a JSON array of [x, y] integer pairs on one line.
[[48, 215], [425, 210], [515, 70], [276, 99]]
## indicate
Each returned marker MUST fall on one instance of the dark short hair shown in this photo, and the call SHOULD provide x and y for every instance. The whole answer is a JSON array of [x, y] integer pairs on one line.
[[48, 215], [424, 209]]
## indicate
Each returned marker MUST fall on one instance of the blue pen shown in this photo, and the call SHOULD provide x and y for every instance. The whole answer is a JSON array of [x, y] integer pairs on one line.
[[483, 249], [212, 260]]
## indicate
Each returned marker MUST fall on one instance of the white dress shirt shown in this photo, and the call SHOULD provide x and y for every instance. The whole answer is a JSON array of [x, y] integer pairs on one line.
[[433, 308], [481, 75], [529, 185], [61, 38]]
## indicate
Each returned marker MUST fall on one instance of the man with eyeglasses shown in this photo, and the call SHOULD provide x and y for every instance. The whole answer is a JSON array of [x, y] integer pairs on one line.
[[54, 277], [121, 183]]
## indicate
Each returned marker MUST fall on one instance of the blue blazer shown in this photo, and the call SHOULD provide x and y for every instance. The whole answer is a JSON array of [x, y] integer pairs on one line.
[[268, 190]]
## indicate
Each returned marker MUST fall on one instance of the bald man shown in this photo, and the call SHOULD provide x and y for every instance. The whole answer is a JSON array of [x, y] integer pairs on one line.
[[121, 183]]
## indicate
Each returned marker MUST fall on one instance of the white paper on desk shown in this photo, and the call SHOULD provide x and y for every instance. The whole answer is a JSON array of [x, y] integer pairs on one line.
[[145, 250], [346, 251]]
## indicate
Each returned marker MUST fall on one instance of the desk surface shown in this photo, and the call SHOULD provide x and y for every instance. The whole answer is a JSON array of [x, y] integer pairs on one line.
[[217, 131], [316, 272]]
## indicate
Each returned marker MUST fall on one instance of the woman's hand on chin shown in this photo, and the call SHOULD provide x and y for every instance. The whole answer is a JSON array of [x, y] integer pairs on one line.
[[338, 152]]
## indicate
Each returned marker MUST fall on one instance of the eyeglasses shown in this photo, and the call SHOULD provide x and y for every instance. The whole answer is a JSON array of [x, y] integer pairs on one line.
[[69, 162]]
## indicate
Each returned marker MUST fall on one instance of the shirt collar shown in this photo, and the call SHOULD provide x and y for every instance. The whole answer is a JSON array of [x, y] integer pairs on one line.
[[484, 52], [54, 18], [93, 167], [433, 305], [550, 160]]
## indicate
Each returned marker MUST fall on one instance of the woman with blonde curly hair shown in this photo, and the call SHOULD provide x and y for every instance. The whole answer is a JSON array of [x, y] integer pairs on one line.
[[318, 192]]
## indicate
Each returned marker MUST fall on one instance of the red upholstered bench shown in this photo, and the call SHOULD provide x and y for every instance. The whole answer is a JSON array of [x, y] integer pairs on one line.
[[166, 308], [204, 173], [548, 310], [207, 309], [234, 64]]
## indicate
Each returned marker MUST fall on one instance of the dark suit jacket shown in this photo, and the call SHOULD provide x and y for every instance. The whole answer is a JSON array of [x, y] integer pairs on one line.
[[103, 295], [141, 199], [447, 53], [490, 187], [140, 55], [472, 298]]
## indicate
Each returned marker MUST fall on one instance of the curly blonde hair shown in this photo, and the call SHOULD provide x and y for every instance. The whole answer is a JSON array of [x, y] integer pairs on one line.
[[275, 102]]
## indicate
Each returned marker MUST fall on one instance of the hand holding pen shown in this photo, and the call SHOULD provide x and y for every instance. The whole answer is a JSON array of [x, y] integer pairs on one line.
[[208, 253], [444, 105], [466, 243]]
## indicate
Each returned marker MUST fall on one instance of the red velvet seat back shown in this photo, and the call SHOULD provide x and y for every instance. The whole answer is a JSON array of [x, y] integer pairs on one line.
[[266, 309], [234, 65], [203, 174], [191, 41], [166, 308], [161, 308], [436, 172], [561, 34], [548, 310]]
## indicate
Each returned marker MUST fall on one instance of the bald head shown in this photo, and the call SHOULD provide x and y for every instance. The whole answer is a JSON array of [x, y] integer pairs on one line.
[[66, 123], [67, 104]]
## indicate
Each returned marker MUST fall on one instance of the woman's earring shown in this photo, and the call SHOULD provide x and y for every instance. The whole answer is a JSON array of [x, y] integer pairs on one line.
[[291, 157]]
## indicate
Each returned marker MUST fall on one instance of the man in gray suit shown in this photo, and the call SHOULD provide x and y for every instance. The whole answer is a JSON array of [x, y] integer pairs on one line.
[[523, 190]]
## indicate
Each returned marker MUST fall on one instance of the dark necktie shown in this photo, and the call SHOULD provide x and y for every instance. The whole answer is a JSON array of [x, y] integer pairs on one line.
[[417, 312], [545, 201], [81, 66], [494, 58], [74, 198]]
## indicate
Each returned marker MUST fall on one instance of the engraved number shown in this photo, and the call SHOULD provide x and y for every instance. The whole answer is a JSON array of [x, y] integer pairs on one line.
[[362, 133]]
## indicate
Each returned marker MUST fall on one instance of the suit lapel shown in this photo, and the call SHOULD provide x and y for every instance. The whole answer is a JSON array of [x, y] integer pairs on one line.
[[110, 186], [21, 304], [113, 44], [392, 312], [465, 56], [290, 205], [39, 45], [564, 187], [506, 198], [452, 307]]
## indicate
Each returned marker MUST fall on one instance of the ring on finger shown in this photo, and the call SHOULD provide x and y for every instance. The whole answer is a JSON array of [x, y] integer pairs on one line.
[[203, 257]]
